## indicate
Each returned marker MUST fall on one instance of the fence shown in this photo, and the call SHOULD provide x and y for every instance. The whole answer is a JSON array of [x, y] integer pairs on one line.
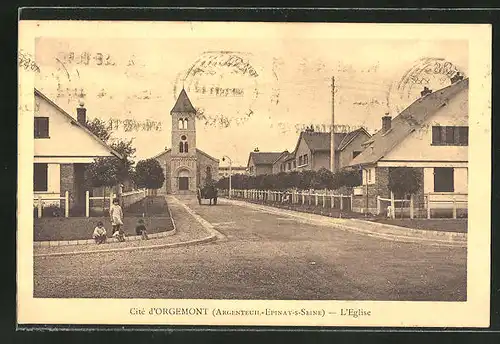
[[127, 198], [324, 199], [39, 199], [391, 210], [445, 201]]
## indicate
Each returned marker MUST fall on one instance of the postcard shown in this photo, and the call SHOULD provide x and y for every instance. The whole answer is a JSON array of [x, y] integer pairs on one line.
[[254, 173]]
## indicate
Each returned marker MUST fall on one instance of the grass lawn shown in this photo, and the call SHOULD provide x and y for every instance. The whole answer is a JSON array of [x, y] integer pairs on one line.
[[77, 228], [448, 225]]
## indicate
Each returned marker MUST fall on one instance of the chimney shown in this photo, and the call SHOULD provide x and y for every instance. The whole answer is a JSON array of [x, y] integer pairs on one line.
[[425, 91], [81, 113], [386, 123], [256, 149]]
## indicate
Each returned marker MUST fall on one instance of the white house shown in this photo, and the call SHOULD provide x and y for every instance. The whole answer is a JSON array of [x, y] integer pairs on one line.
[[63, 148], [431, 136]]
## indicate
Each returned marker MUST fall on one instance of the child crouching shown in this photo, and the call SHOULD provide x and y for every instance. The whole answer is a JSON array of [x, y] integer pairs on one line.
[[99, 233]]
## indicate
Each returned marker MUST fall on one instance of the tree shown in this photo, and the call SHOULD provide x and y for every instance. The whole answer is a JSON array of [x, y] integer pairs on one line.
[[103, 172], [99, 128], [149, 174], [124, 165], [404, 181], [323, 179]]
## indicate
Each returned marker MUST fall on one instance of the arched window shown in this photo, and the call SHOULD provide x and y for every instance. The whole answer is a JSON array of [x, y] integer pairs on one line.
[[181, 121], [185, 147], [181, 147], [185, 123]]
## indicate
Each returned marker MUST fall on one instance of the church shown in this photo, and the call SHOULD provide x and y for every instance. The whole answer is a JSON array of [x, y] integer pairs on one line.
[[185, 166]]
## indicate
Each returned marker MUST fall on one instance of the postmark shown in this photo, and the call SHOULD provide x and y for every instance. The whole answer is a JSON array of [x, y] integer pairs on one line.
[[432, 72], [228, 77]]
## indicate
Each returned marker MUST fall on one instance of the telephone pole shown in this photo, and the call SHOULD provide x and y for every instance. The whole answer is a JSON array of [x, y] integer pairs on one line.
[[332, 132]]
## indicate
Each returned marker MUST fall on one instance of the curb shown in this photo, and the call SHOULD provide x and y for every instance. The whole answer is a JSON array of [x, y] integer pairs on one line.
[[54, 243], [124, 249], [403, 236], [205, 224]]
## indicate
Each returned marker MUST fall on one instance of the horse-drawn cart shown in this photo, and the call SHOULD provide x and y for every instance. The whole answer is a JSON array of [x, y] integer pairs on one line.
[[208, 192]]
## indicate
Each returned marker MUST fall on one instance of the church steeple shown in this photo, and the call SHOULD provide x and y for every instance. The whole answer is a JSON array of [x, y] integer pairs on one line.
[[183, 104]]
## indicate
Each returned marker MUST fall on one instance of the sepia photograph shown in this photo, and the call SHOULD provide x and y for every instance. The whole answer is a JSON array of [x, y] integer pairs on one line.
[[254, 173]]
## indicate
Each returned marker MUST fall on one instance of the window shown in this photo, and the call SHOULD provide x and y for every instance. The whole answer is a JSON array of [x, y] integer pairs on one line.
[[443, 179], [181, 147], [306, 159], [41, 127], [355, 154], [40, 177], [289, 165], [181, 123], [185, 126], [294, 164], [185, 147], [300, 160], [450, 136], [183, 138]]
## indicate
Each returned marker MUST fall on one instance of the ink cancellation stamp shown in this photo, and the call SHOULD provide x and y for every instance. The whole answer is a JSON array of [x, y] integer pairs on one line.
[[234, 173]]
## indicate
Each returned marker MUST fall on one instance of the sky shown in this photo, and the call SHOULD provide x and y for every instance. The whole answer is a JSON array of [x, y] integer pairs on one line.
[[250, 92]]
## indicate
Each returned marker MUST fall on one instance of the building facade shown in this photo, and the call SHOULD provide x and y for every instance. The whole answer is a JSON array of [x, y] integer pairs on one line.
[[262, 162], [430, 136], [186, 167], [63, 148]]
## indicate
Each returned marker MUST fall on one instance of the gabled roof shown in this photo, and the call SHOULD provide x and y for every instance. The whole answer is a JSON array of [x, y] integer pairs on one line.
[[78, 124], [350, 137], [263, 158], [183, 104], [283, 156], [406, 122], [318, 141], [197, 151]]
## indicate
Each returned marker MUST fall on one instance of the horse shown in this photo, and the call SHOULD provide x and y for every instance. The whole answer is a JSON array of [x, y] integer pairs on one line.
[[208, 192]]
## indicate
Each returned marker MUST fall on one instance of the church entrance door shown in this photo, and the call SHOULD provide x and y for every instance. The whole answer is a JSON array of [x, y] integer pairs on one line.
[[183, 183]]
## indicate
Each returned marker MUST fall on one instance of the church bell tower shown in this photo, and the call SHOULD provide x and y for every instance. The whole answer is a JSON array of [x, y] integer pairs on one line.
[[183, 153]]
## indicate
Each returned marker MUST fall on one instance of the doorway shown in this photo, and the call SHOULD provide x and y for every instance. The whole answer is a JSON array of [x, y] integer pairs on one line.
[[183, 183]]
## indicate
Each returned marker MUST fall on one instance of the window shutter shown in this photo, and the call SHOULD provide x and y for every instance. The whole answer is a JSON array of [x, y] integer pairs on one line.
[[450, 135], [436, 135]]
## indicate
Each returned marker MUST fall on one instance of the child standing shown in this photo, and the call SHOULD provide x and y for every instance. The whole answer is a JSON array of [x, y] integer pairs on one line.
[[116, 215], [99, 233], [140, 229]]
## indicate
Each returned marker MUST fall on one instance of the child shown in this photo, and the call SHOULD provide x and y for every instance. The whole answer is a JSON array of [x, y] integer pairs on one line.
[[116, 214], [140, 229], [99, 233]]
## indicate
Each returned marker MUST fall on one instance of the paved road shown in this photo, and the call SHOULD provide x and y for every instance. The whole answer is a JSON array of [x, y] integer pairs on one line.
[[265, 256]]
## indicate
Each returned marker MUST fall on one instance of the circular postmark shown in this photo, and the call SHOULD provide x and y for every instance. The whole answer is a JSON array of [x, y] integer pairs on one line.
[[431, 72], [223, 86]]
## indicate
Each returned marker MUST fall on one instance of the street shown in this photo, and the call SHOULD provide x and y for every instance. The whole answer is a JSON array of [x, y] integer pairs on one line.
[[264, 256]]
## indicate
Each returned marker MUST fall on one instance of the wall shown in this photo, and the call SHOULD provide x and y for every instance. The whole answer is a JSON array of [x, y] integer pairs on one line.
[[263, 169], [379, 188], [302, 149], [204, 161], [345, 156], [417, 147], [321, 160], [66, 140], [132, 197]]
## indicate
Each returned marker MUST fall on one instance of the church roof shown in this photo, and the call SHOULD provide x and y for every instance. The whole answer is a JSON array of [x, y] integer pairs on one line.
[[183, 104]]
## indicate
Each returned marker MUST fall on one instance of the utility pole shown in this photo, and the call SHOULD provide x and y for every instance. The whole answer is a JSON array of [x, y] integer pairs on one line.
[[332, 132]]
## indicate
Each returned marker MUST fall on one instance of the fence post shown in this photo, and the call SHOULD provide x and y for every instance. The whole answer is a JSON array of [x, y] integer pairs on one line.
[[324, 200], [66, 204], [87, 204], [315, 198], [351, 201], [332, 197], [393, 208], [303, 197], [341, 202], [269, 195], [428, 206], [412, 215], [454, 207], [39, 206], [378, 205]]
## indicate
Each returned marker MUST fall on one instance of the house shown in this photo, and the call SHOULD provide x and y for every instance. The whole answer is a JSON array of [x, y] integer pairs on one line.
[[280, 163], [312, 151], [63, 147], [224, 170], [185, 166], [431, 136], [261, 162]]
